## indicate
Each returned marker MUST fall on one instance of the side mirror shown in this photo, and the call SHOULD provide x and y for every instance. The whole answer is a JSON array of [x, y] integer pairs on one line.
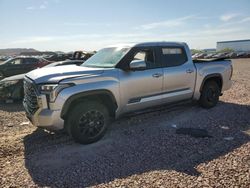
[[137, 65]]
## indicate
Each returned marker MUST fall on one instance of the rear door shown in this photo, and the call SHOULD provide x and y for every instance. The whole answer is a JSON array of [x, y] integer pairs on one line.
[[179, 74], [30, 64], [142, 88]]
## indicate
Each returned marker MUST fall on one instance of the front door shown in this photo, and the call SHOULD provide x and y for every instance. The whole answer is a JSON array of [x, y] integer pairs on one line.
[[142, 88]]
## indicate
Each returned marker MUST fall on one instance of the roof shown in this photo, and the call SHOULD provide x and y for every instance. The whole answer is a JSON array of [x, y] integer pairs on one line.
[[247, 40], [148, 44]]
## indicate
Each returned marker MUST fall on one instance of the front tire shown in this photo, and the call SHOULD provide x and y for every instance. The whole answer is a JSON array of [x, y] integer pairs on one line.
[[87, 122], [210, 94]]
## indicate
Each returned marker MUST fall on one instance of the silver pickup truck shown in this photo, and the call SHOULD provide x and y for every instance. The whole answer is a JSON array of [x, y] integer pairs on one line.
[[118, 80]]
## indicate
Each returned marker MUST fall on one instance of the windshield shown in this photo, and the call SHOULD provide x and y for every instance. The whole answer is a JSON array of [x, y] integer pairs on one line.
[[106, 58], [7, 61]]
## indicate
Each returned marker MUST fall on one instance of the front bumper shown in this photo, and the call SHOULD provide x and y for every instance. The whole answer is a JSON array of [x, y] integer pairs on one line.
[[44, 117]]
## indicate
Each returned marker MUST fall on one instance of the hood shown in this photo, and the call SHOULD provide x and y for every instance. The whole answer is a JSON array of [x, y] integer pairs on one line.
[[56, 74], [16, 77]]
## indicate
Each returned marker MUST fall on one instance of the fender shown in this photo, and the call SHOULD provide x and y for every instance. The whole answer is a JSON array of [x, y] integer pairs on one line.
[[81, 95], [215, 75]]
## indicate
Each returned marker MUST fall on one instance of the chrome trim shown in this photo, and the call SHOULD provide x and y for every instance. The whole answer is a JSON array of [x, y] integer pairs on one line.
[[155, 96]]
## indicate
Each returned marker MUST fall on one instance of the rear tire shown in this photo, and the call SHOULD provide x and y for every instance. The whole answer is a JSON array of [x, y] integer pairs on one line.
[[210, 94], [87, 122]]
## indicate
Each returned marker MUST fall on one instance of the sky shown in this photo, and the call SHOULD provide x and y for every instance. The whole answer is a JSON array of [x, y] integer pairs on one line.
[[68, 25]]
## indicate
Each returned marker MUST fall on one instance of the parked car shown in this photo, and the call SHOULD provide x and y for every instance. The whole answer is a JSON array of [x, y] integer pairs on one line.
[[209, 56], [20, 65], [4, 58], [194, 56], [219, 55], [241, 55], [248, 55], [231, 55], [11, 88], [57, 57], [201, 56], [119, 80], [82, 55]]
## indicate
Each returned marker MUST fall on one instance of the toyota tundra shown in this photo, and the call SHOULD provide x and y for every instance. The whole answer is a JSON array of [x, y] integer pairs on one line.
[[119, 80]]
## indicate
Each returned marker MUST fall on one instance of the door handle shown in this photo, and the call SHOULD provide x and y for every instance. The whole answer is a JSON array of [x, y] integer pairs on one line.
[[157, 75], [189, 71]]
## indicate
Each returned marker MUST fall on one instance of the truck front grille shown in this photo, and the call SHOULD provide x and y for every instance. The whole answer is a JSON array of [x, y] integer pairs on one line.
[[30, 97]]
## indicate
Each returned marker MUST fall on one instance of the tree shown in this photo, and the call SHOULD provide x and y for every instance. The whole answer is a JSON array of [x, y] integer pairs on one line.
[[226, 50], [195, 51]]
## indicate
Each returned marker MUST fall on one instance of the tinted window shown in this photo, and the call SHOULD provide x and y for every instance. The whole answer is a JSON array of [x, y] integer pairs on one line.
[[148, 57], [31, 61], [173, 56]]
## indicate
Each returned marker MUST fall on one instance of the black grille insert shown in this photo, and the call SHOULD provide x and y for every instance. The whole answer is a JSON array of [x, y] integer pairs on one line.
[[30, 97]]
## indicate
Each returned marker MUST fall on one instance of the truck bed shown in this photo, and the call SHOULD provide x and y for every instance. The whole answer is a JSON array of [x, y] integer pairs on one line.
[[208, 60]]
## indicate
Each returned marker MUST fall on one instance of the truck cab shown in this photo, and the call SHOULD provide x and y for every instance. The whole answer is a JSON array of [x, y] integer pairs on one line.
[[168, 75]]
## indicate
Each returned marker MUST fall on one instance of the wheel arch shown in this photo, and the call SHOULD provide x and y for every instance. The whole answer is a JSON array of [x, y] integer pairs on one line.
[[215, 77], [104, 96]]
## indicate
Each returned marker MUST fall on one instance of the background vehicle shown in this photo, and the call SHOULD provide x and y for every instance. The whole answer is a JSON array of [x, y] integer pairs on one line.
[[77, 55], [81, 55], [3, 58], [20, 65], [57, 57], [11, 88], [208, 56], [231, 55], [241, 55], [119, 80]]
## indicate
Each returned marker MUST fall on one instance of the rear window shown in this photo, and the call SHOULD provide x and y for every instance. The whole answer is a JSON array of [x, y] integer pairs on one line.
[[31, 61], [173, 56]]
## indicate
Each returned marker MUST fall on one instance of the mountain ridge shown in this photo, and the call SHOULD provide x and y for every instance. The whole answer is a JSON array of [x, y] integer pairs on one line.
[[16, 51]]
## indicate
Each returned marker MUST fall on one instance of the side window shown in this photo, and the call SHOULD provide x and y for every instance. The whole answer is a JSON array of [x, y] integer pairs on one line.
[[16, 62], [140, 56], [148, 57], [30, 61], [173, 56]]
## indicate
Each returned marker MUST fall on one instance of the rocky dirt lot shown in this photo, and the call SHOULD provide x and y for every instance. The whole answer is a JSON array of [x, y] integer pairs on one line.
[[139, 151]]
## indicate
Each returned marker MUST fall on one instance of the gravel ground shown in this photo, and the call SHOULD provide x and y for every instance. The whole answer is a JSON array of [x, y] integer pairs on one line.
[[138, 151]]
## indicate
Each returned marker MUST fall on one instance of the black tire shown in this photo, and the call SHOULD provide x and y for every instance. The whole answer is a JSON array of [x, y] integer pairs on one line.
[[87, 122], [210, 94]]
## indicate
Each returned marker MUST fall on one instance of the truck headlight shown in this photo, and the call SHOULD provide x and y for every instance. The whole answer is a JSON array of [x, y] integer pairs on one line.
[[52, 90]]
